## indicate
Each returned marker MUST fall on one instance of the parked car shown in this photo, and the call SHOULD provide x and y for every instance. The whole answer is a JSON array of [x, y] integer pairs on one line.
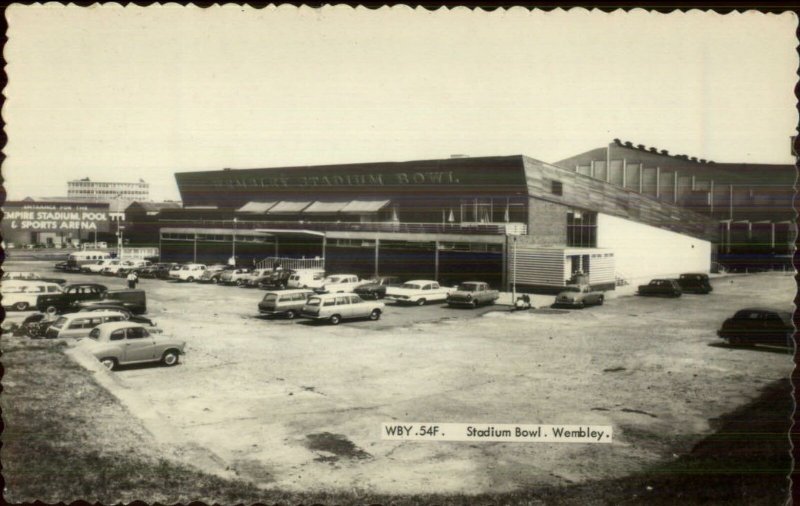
[[152, 270], [278, 280], [128, 266], [375, 288], [758, 326], [335, 307], [339, 283], [34, 326], [234, 276], [579, 296], [63, 266], [80, 324], [23, 295], [695, 283], [72, 293], [188, 272], [121, 343], [288, 303], [97, 266], [254, 277], [306, 278], [472, 294], [111, 268], [661, 287], [126, 315], [419, 292], [31, 276], [134, 301], [212, 273]]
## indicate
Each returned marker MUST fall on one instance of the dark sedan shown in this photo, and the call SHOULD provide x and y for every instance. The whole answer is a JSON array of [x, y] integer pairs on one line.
[[376, 287], [661, 287], [758, 326], [71, 294], [695, 283]]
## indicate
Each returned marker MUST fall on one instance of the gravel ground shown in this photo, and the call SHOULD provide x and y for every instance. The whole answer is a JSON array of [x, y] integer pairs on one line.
[[295, 406]]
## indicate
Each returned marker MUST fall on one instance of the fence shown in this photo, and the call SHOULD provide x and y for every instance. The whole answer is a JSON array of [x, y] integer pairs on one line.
[[292, 263]]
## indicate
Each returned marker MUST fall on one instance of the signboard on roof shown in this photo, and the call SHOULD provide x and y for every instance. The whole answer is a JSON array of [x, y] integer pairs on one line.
[[51, 217]]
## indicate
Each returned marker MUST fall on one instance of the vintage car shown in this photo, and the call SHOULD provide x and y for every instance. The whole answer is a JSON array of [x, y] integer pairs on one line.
[[97, 266], [472, 294], [153, 270], [419, 292], [121, 343], [695, 283], [212, 273], [306, 278], [71, 294], [128, 266], [335, 307], [78, 325], [31, 276], [579, 296], [339, 283], [23, 295], [288, 303], [188, 272], [254, 277], [375, 288], [758, 326], [661, 287], [278, 280], [111, 267], [234, 276], [129, 300]]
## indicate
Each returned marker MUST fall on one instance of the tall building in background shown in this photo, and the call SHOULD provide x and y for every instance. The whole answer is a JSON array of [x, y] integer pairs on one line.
[[98, 191]]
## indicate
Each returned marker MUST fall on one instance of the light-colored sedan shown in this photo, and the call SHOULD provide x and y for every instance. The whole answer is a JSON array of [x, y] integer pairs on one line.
[[419, 292], [335, 307], [121, 343], [23, 295], [579, 296]]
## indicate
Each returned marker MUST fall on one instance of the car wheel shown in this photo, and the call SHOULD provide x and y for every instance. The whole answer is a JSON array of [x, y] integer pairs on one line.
[[190, 279], [581, 304], [51, 310], [474, 304], [335, 319], [281, 286], [170, 358], [215, 280], [109, 363], [601, 300], [21, 306], [375, 314], [290, 314], [421, 302], [239, 282]]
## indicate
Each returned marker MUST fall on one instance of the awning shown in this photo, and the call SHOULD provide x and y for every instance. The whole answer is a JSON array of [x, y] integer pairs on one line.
[[320, 207], [289, 207], [364, 206], [256, 207]]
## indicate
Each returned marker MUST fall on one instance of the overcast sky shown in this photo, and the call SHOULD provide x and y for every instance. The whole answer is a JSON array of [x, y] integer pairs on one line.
[[125, 93]]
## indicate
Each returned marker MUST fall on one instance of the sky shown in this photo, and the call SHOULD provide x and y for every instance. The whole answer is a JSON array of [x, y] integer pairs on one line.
[[118, 94]]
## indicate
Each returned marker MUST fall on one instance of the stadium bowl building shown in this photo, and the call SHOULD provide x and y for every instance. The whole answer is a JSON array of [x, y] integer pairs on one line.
[[509, 220]]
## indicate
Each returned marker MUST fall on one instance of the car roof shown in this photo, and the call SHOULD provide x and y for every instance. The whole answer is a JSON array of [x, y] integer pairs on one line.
[[70, 285], [112, 326], [27, 282], [90, 314], [421, 281], [764, 310], [331, 295], [293, 290]]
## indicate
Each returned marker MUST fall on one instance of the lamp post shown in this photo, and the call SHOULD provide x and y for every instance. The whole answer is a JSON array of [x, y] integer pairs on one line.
[[514, 272], [120, 242], [233, 244]]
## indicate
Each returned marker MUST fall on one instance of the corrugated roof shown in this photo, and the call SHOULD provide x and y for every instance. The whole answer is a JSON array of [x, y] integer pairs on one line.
[[256, 207], [321, 207], [289, 206], [365, 206]]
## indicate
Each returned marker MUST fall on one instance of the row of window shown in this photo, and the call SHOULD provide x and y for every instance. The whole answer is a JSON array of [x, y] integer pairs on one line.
[[214, 237]]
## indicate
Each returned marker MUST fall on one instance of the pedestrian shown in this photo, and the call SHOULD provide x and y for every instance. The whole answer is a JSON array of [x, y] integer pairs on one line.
[[132, 280]]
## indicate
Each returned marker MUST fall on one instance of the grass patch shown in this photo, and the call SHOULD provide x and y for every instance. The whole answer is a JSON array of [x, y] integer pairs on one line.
[[66, 439]]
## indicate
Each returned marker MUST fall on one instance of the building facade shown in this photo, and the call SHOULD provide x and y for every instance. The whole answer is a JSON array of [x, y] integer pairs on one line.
[[511, 221], [101, 191], [751, 203], [54, 222]]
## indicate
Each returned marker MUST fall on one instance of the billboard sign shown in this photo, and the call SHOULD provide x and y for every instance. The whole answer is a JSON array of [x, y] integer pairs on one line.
[[41, 217]]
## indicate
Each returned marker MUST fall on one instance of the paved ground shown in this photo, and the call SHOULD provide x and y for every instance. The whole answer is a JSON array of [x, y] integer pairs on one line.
[[297, 406]]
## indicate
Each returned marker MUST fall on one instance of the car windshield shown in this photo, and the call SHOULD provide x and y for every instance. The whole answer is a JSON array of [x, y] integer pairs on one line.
[[467, 287], [95, 333], [333, 279], [313, 301], [411, 286], [270, 297]]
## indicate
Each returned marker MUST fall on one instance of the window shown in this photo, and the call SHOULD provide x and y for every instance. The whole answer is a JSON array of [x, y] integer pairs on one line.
[[329, 302], [117, 335], [355, 299], [557, 188], [136, 333], [81, 323], [582, 229], [341, 301]]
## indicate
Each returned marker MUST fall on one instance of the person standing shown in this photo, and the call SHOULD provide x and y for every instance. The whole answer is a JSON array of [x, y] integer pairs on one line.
[[132, 279]]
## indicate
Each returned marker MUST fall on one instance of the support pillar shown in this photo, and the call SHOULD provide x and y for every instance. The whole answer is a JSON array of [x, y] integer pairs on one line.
[[377, 256], [436, 261]]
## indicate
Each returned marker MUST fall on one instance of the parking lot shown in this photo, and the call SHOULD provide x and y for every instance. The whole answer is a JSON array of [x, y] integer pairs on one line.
[[298, 406]]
